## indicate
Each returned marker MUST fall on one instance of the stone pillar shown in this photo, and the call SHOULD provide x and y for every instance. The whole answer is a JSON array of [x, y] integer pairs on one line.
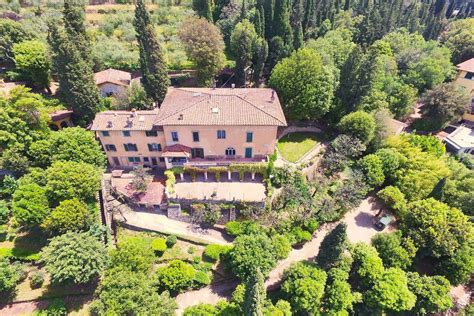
[[181, 175], [205, 175], [229, 175], [253, 176], [232, 214]]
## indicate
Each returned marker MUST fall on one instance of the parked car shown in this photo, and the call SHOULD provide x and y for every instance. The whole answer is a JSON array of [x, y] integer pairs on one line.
[[384, 221]]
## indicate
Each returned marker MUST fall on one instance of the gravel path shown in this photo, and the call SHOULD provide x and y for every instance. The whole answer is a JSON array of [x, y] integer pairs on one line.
[[359, 228]]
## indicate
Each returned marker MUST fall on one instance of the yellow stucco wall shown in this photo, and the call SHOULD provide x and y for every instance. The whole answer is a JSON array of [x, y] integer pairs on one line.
[[264, 138], [136, 137], [263, 143], [468, 85]]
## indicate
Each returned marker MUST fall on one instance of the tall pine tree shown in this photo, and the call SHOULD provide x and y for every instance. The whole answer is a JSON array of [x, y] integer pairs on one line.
[[296, 21], [155, 79], [254, 298], [76, 80]]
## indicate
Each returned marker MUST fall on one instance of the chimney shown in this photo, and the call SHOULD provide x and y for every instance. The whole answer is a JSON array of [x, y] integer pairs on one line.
[[273, 96], [233, 86], [109, 124], [129, 122], [134, 113]]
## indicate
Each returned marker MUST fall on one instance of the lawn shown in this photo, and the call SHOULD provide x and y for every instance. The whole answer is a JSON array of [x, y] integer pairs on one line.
[[294, 145]]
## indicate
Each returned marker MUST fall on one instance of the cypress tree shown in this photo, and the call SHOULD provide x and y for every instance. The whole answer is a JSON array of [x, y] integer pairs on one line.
[[309, 21], [332, 247], [76, 80], [242, 40], [204, 8], [259, 19], [259, 58], [296, 23], [155, 79], [74, 24], [269, 10], [281, 23], [243, 11], [254, 298]]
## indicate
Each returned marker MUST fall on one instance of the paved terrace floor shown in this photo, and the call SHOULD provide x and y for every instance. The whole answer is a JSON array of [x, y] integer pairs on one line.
[[247, 190]]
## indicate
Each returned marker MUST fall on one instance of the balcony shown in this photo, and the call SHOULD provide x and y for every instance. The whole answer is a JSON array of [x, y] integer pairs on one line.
[[212, 161]]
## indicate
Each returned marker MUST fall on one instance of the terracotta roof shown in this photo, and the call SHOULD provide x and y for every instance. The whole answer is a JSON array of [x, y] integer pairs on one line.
[[467, 65], [177, 148], [115, 76], [124, 120], [60, 114], [396, 126], [206, 106]]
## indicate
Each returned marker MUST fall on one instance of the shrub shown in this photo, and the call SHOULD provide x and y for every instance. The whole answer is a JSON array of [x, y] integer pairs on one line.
[[4, 212], [311, 225], [372, 167], [171, 241], [201, 278], [36, 280], [158, 245], [191, 250], [215, 251], [170, 181], [56, 307], [235, 228], [282, 246], [300, 235], [175, 277]]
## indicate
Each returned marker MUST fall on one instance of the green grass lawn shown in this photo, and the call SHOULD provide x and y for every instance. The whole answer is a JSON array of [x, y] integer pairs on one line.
[[294, 145]]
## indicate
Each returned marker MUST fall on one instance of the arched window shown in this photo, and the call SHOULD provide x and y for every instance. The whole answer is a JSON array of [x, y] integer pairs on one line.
[[230, 151]]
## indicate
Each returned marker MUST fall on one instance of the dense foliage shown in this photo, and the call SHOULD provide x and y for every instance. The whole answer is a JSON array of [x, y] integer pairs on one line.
[[74, 257]]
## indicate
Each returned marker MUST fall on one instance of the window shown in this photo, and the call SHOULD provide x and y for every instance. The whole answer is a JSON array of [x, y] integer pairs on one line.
[[130, 147], [105, 133], [154, 147], [195, 136], [197, 153], [151, 133], [221, 134], [162, 159], [110, 148], [249, 137], [126, 133], [230, 151], [248, 152], [469, 75], [174, 136], [146, 159], [134, 159]]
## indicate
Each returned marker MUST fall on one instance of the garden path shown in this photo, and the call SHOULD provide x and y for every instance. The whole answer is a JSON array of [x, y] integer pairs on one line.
[[359, 228]]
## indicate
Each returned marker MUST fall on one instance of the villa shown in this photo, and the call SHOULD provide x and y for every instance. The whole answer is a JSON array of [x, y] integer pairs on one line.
[[465, 79], [201, 127]]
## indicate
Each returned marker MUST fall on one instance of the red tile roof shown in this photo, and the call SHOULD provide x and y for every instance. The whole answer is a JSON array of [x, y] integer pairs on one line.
[[206, 106], [60, 114], [115, 76], [467, 65], [124, 120]]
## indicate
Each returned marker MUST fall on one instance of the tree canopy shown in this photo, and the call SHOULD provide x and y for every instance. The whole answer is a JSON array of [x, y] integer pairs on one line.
[[304, 84]]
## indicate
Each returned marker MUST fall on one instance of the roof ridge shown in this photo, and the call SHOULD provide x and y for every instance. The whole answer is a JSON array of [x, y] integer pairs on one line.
[[258, 108]]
